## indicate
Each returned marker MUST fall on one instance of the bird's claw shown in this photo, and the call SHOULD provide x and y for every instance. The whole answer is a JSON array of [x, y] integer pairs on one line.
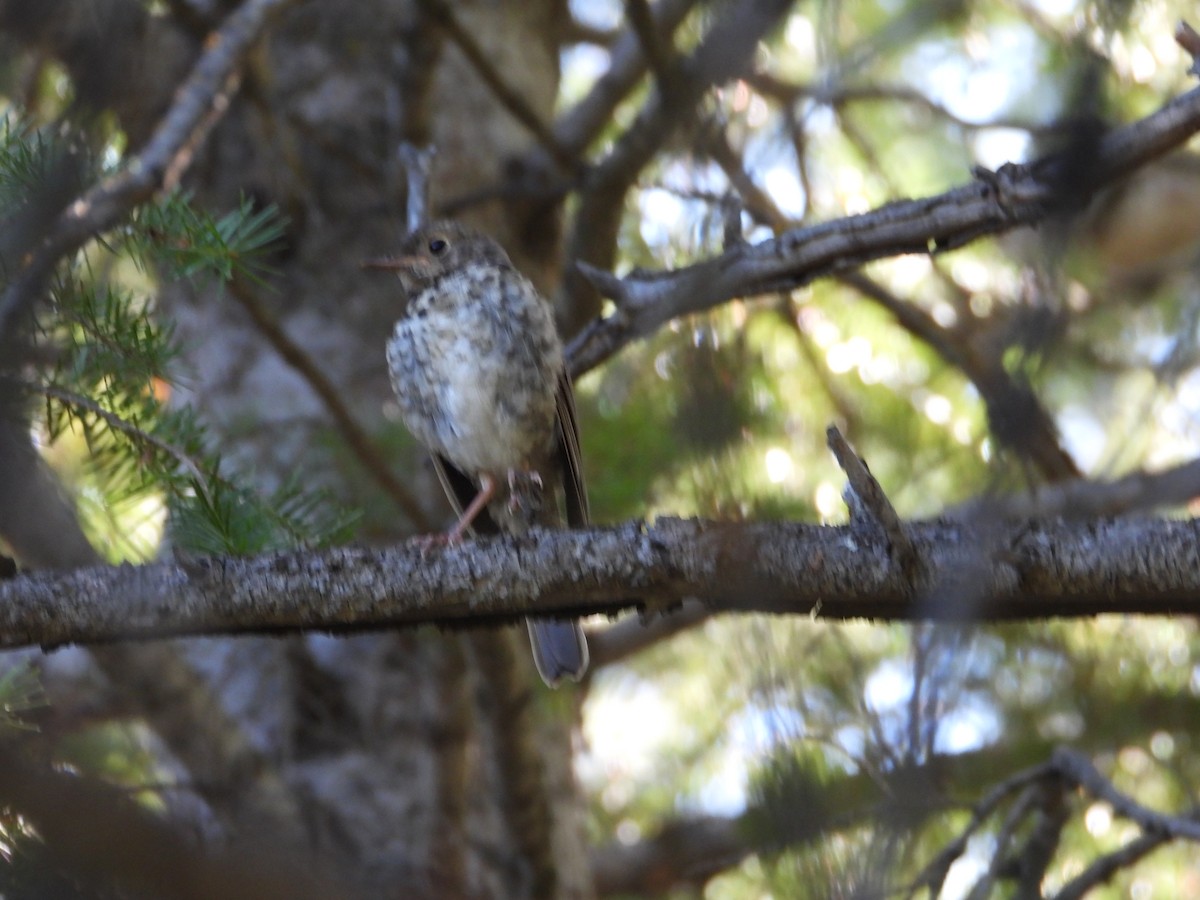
[[428, 542], [518, 493]]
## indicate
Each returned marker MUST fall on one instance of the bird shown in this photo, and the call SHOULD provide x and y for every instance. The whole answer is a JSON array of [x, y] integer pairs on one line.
[[478, 370]]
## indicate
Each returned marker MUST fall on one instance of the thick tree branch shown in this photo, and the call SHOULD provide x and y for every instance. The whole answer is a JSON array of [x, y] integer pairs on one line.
[[1030, 571], [993, 203]]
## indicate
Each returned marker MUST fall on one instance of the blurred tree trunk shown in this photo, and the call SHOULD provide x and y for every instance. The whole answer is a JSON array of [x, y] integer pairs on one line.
[[418, 763]]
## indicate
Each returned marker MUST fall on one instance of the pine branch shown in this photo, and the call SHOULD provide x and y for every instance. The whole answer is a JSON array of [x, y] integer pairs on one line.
[[160, 164], [185, 241], [137, 435], [112, 355]]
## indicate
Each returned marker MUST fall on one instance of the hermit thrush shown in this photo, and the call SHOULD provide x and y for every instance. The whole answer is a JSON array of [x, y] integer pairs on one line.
[[477, 366]]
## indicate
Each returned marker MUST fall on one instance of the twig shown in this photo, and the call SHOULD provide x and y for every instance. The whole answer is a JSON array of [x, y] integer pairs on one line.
[[116, 423], [201, 99], [355, 436], [1078, 769], [1187, 38], [1016, 415], [759, 202], [837, 95], [874, 502], [1031, 860], [417, 162], [732, 233], [1005, 834], [934, 874], [1105, 867], [576, 128], [577, 32], [1082, 498], [843, 405], [509, 97]]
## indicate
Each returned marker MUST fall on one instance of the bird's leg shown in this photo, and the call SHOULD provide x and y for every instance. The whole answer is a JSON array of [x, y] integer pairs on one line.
[[525, 499], [517, 491], [487, 490]]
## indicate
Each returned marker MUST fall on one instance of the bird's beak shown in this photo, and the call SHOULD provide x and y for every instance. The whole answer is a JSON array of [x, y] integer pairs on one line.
[[413, 271], [410, 269], [390, 263]]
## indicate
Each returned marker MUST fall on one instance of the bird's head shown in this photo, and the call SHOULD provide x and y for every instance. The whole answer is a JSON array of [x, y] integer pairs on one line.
[[437, 249]]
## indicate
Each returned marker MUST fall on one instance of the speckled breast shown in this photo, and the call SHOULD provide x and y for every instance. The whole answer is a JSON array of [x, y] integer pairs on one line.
[[475, 365]]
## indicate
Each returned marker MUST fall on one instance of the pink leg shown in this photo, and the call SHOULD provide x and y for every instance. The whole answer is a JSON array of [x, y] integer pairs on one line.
[[487, 490]]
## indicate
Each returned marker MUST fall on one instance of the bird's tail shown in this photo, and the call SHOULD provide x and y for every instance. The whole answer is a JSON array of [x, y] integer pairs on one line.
[[559, 649]]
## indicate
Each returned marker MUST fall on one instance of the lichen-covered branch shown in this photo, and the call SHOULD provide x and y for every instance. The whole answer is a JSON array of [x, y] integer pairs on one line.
[[1000, 572], [991, 204]]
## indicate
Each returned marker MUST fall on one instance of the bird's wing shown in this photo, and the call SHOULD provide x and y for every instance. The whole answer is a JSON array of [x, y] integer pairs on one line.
[[570, 459]]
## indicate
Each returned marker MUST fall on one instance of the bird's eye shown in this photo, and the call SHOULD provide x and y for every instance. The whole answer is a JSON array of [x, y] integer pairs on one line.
[[437, 246]]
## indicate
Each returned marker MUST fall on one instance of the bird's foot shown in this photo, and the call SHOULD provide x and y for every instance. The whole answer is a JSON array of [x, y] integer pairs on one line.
[[524, 489], [447, 539], [427, 542]]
